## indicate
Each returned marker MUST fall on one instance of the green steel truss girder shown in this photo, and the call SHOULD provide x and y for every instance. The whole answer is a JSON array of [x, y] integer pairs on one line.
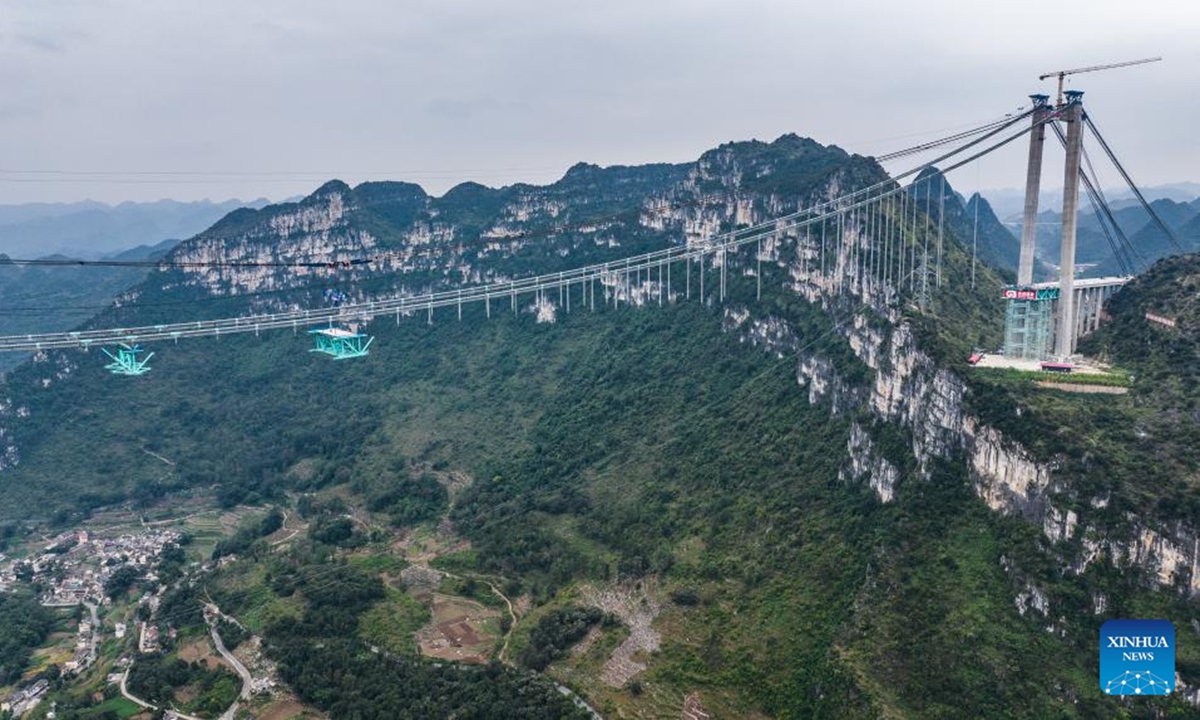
[[341, 347], [126, 362]]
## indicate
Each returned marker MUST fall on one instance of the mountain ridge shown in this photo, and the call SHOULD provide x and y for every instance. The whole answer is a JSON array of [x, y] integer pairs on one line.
[[89, 229], [843, 531]]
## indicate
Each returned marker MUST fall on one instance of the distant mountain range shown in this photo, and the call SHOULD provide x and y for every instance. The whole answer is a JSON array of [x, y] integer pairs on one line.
[[59, 298], [799, 483], [1009, 202], [34, 298], [90, 229], [1093, 248]]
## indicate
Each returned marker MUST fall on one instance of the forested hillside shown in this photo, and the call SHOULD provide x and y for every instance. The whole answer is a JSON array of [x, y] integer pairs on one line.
[[60, 297], [24, 624], [784, 501]]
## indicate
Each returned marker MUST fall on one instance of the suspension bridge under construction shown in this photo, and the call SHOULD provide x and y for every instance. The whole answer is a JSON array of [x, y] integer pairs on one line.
[[884, 244]]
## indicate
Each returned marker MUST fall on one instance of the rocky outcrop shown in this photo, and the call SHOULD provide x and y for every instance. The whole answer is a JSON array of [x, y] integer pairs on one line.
[[1168, 559], [910, 390], [865, 462], [1032, 599], [473, 234], [637, 607], [9, 455], [1009, 480], [926, 400]]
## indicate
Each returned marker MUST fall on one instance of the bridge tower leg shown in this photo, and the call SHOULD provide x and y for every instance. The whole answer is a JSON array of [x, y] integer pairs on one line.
[[1064, 344], [1033, 182]]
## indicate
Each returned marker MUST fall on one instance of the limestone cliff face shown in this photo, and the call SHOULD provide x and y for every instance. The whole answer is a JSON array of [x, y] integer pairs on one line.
[[475, 234], [928, 401], [340, 236], [294, 245], [866, 462], [912, 391]]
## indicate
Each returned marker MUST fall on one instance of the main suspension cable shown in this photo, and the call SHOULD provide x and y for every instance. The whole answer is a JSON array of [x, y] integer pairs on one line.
[[1087, 118], [406, 304]]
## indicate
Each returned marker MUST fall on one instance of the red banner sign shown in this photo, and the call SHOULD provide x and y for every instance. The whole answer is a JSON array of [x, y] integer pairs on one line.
[[1020, 294], [1016, 292]]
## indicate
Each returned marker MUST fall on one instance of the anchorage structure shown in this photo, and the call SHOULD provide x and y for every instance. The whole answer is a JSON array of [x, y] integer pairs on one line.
[[340, 343], [125, 361]]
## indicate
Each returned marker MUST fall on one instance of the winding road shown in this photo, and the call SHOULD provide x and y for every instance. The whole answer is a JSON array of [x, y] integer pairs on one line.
[[242, 672], [142, 703], [95, 639], [247, 678]]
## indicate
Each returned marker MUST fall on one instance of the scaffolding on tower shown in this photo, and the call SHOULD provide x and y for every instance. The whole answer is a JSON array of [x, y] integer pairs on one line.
[[1029, 322]]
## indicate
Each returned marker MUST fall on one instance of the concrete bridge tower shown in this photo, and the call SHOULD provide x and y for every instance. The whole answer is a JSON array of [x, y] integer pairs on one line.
[[1029, 322], [1064, 336], [1033, 183]]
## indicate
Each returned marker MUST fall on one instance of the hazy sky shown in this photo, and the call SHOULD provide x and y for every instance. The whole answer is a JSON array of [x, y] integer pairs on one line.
[[271, 97]]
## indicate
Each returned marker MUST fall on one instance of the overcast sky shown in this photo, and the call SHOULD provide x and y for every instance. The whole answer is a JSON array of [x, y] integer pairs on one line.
[[271, 97]]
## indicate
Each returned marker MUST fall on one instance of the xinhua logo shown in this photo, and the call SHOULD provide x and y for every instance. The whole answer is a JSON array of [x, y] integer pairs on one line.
[[1137, 657]]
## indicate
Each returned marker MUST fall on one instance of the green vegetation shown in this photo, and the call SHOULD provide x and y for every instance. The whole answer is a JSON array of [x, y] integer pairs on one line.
[[457, 562], [379, 563], [472, 588], [119, 706], [172, 562], [392, 623], [1165, 359], [121, 580], [311, 506], [1137, 453], [249, 534], [231, 634], [85, 707], [938, 616], [555, 632], [70, 295], [24, 626], [179, 606], [645, 451], [1000, 375], [336, 531], [323, 653], [407, 500], [659, 446], [339, 678], [164, 681], [9, 532]]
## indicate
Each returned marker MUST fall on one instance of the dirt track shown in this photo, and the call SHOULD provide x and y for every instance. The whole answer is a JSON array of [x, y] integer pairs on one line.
[[1085, 389]]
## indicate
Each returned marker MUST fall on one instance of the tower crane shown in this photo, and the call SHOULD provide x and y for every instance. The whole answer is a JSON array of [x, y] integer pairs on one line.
[[1062, 74]]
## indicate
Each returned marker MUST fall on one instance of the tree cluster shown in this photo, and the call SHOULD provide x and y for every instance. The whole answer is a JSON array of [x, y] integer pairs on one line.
[[24, 626], [555, 633]]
